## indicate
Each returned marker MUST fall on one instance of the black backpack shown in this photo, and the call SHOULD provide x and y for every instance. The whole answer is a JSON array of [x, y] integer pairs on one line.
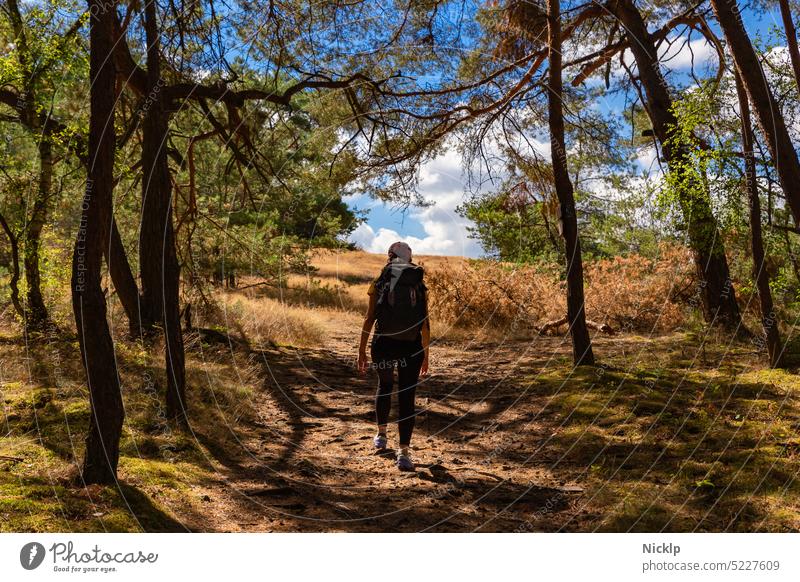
[[401, 311]]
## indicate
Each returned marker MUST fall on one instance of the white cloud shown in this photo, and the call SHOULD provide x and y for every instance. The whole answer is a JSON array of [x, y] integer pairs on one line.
[[679, 55], [647, 159], [442, 239], [675, 55], [441, 175], [441, 182]]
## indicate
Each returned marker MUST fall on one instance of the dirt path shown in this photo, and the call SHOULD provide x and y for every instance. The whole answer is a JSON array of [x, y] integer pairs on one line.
[[480, 444]]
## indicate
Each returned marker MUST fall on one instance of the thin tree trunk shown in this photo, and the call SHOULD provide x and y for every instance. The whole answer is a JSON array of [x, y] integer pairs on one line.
[[769, 320], [122, 277], [158, 256], [769, 115], [37, 317], [88, 301], [152, 229], [718, 297], [791, 39], [15, 273], [155, 185], [581, 343]]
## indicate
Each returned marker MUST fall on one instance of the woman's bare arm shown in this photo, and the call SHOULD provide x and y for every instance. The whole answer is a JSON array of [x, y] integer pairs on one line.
[[426, 340], [369, 321]]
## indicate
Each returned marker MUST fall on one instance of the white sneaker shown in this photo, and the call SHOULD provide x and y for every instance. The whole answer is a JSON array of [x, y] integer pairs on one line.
[[404, 463]]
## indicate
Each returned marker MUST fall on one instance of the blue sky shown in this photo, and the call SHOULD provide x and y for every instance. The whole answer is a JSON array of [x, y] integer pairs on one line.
[[439, 229]]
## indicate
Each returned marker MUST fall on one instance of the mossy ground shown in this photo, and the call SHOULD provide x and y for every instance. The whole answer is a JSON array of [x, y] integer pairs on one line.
[[681, 435], [46, 415]]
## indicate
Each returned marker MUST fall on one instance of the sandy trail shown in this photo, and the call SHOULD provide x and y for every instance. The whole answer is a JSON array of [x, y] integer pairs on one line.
[[480, 444]]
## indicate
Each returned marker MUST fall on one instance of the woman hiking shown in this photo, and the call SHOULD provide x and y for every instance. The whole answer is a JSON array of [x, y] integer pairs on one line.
[[398, 302]]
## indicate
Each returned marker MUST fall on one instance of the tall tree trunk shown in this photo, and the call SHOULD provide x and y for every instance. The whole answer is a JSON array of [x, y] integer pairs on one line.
[[769, 115], [88, 301], [581, 343], [37, 317], [122, 277], [769, 319], [158, 256], [791, 39], [717, 294], [152, 233]]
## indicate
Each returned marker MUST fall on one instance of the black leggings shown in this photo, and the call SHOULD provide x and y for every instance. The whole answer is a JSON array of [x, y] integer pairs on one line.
[[407, 357]]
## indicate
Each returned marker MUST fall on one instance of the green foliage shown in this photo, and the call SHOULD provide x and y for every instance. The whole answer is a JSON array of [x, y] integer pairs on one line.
[[517, 233], [264, 216], [525, 230], [687, 180]]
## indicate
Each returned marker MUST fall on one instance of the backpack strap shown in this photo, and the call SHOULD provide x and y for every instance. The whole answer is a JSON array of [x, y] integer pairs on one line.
[[382, 286]]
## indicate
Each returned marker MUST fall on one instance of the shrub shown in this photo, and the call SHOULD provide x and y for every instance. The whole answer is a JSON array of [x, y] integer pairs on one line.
[[637, 293], [628, 293]]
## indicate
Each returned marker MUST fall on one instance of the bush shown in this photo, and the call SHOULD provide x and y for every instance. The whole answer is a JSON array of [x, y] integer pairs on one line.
[[628, 293], [641, 294]]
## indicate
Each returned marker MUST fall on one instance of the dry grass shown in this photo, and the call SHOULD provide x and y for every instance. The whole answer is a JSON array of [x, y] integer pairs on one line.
[[629, 293], [360, 266], [493, 298], [469, 298], [635, 293], [263, 320], [304, 310]]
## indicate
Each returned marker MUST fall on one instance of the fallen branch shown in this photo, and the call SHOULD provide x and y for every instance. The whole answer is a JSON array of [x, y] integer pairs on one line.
[[12, 459], [601, 327], [551, 324]]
